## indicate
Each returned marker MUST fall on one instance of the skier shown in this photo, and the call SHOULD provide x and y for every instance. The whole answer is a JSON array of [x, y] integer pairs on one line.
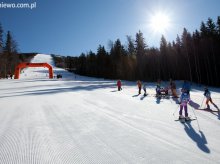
[[184, 99], [173, 88], [139, 86], [207, 94], [144, 88], [119, 85]]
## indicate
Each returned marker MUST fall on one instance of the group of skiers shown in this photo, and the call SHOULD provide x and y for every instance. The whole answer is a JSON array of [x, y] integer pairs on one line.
[[184, 97]]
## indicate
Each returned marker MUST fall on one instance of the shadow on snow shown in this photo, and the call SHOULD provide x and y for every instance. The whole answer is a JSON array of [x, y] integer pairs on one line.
[[198, 138], [90, 87]]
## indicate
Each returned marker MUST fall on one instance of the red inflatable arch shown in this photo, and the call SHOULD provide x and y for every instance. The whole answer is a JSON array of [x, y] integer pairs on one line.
[[24, 65]]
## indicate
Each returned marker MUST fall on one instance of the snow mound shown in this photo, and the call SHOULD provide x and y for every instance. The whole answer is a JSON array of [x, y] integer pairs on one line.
[[43, 58]]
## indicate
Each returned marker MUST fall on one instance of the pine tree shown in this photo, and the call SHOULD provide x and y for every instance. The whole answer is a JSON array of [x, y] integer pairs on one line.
[[140, 53], [10, 45], [101, 61], [196, 42], [218, 27], [211, 28], [1, 39], [91, 66], [2, 62], [10, 52], [217, 48], [177, 55], [203, 29], [81, 66], [117, 53], [131, 46], [164, 58], [131, 63], [140, 44], [186, 38], [212, 36]]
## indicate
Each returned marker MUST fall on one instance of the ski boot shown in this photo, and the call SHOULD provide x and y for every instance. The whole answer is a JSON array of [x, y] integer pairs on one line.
[[182, 119], [187, 118]]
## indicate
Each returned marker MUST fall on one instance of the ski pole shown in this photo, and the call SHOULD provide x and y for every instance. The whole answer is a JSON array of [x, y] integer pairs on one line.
[[196, 118]]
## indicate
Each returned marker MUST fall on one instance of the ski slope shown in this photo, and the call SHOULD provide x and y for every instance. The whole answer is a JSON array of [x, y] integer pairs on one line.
[[79, 119]]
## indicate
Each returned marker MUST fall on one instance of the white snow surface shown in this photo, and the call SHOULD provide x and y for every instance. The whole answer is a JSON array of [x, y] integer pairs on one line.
[[79, 119]]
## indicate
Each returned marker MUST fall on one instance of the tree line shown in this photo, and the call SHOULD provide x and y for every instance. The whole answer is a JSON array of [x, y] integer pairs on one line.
[[9, 56], [192, 56]]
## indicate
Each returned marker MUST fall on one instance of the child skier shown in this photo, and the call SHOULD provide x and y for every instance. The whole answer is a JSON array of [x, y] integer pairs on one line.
[[139, 86], [184, 99], [119, 85], [207, 94]]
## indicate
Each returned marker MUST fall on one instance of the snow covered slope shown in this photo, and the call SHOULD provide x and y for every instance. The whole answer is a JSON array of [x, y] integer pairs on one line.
[[86, 120]]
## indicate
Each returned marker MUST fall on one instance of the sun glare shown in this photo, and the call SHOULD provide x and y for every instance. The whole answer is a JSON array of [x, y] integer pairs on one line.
[[160, 22]]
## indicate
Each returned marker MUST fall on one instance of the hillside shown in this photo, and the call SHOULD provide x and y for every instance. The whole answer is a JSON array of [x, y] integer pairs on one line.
[[86, 120]]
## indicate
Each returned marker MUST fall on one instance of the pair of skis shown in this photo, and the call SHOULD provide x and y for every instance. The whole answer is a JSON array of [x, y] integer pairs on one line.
[[208, 110], [183, 120]]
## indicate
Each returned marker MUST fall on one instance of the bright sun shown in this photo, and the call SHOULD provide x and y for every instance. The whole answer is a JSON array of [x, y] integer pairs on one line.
[[160, 22]]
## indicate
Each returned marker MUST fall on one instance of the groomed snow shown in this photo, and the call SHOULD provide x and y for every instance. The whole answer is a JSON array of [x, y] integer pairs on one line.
[[86, 120]]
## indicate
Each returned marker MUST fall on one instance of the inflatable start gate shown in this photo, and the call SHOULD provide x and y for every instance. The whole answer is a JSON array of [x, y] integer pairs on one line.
[[24, 65]]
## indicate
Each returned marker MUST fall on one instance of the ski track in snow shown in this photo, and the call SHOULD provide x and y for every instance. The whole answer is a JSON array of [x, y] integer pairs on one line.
[[86, 120]]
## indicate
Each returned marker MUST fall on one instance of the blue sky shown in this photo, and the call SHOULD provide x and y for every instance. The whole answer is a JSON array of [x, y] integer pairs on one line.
[[70, 27]]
